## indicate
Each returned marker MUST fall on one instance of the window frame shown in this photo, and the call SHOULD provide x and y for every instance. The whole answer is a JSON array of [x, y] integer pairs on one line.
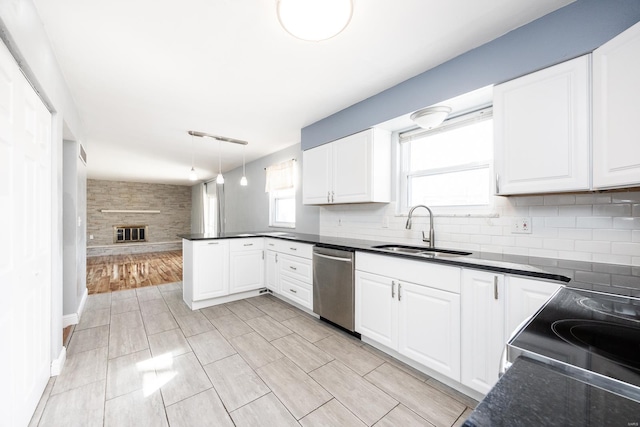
[[274, 196], [404, 175]]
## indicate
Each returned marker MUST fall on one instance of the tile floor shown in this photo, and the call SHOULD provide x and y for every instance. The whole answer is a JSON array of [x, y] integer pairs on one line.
[[141, 357]]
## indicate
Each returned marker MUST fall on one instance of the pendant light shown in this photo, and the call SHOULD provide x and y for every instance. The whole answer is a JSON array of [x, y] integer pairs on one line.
[[220, 178], [243, 180], [314, 20], [193, 176]]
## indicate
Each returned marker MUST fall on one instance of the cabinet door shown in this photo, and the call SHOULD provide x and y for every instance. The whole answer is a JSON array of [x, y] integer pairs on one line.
[[211, 263], [541, 125], [523, 298], [316, 175], [271, 276], [376, 308], [482, 328], [429, 327], [352, 171], [247, 271], [616, 90]]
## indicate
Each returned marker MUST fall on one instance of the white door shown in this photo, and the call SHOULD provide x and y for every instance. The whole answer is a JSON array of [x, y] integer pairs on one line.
[[523, 298], [352, 168], [25, 252], [376, 308], [542, 130], [482, 328], [429, 327], [271, 276], [316, 175], [616, 90], [211, 262], [247, 271]]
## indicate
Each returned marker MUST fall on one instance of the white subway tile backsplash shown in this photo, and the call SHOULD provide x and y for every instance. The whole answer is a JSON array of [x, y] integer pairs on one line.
[[560, 222], [612, 210], [612, 235], [624, 248], [594, 222], [581, 227], [576, 233], [593, 246], [629, 223], [559, 199]]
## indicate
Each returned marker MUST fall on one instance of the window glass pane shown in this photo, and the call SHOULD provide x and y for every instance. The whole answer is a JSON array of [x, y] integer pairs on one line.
[[461, 145], [469, 187], [285, 210]]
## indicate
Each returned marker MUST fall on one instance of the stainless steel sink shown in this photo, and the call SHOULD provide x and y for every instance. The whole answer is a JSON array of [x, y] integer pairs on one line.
[[423, 252]]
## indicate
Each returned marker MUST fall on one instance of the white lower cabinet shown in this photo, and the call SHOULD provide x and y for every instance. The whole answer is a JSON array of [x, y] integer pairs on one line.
[[493, 306], [210, 269], [419, 320], [271, 271], [482, 328], [246, 264], [523, 298], [429, 327]]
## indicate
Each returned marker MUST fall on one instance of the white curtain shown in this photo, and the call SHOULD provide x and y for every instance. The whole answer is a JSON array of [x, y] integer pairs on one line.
[[281, 176], [197, 209]]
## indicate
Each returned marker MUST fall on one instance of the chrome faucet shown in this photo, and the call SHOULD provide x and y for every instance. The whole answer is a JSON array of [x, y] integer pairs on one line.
[[431, 239]]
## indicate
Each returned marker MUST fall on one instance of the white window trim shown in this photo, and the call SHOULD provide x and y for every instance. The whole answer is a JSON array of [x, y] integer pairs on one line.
[[402, 208], [273, 195]]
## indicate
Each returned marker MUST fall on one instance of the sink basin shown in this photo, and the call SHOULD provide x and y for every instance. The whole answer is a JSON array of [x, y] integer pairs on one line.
[[423, 252]]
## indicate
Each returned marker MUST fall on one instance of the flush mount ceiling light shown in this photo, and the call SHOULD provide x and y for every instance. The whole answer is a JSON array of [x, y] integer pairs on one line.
[[314, 20], [429, 118]]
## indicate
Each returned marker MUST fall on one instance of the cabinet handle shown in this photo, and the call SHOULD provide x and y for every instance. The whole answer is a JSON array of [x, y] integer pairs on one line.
[[495, 287], [393, 289], [294, 249], [248, 244], [271, 244], [328, 197], [293, 290], [332, 194], [262, 254], [497, 183], [276, 258], [212, 243], [293, 268], [399, 291]]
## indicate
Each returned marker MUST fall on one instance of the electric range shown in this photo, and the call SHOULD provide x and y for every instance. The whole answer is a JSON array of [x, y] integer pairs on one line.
[[591, 336]]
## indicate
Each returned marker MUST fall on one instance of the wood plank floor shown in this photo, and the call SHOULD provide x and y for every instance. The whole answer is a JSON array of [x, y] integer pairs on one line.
[[120, 272]]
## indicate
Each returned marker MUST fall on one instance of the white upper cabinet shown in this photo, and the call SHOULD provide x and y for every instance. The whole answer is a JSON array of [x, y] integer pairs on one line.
[[354, 169], [616, 91], [542, 130]]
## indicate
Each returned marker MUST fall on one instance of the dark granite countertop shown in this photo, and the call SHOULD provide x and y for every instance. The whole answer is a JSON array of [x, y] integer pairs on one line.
[[531, 393], [609, 278]]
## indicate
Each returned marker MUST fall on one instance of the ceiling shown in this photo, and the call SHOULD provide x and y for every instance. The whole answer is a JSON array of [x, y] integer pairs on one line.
[[142, 73]]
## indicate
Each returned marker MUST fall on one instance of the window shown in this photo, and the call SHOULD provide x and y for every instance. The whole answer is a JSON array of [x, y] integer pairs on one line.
[[280, 184], [282, 208], [449, 166]]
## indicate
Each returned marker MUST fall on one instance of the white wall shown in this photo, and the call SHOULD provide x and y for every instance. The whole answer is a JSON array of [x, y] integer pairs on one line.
[[598, 227], [24, 35]]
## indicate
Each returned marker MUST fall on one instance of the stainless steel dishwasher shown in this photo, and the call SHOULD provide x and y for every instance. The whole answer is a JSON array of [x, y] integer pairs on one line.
[[333, 286]]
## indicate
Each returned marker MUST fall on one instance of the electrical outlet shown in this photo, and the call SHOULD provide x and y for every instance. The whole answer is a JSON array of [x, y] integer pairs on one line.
[[521, 225], [385, 222], [90, 236]]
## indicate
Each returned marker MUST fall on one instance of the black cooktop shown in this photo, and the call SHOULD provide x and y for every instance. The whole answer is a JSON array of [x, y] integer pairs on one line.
[[593, 332]]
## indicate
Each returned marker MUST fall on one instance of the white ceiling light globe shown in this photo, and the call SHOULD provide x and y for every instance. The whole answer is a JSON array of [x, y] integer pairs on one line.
[[314, 20]]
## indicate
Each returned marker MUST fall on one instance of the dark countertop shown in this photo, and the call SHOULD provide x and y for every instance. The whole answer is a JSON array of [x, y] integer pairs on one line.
[[609, 278], [531, 393]]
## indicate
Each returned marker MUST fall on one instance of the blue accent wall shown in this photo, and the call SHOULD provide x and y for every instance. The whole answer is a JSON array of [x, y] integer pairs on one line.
[[569, 32]]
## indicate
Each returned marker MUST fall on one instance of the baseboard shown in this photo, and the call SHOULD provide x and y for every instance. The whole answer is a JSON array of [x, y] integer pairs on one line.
[[74, 318], [58, 364], [70, 319]]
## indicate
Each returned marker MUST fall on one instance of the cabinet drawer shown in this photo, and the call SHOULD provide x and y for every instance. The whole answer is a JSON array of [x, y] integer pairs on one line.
[[421, 272], [296, 267], [303, 250], [246, 244], [297, 291]]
